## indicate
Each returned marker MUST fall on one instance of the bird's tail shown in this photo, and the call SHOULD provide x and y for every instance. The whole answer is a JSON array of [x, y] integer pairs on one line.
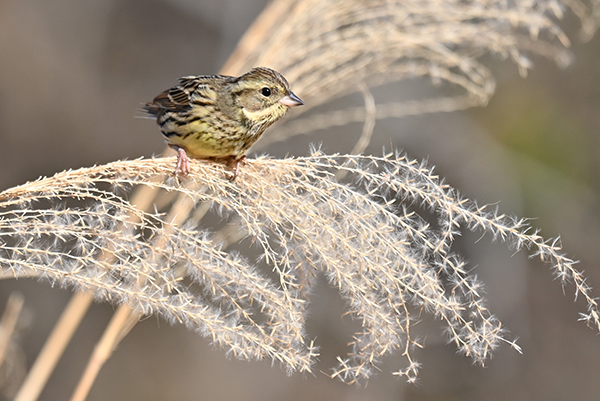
[[148, 110]]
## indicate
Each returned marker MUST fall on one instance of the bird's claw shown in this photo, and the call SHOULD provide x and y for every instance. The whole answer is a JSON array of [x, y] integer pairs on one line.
[[183, 162], [237, 162]]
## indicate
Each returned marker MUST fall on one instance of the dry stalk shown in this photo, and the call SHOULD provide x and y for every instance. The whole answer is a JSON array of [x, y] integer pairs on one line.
[[8, 322], [54, 347], [386, 261]]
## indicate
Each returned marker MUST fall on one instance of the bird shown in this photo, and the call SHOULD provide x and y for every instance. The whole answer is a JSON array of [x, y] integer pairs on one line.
[[219, 117]]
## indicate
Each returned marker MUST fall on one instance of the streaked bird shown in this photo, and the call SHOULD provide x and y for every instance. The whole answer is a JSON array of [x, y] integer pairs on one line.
[[220, 117]]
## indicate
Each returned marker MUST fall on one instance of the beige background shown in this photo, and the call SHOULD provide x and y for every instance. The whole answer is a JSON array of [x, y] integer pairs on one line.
[[72, 75]]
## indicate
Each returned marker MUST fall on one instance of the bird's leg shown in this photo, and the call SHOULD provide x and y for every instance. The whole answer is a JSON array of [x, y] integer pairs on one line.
[[183, 161], [232, 159]]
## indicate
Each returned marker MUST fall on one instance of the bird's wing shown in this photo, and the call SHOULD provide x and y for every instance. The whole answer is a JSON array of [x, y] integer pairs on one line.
[[192, 90]]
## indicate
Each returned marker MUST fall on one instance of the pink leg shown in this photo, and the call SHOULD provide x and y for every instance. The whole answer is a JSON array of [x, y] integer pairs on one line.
[[183, 161], [237, 162]]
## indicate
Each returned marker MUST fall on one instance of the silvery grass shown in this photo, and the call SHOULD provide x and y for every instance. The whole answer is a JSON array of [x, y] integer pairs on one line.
[[330, 48], [363, 233], [356, 220]]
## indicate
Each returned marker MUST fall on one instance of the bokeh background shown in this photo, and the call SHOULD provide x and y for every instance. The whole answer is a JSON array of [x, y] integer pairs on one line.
[[73, 75]]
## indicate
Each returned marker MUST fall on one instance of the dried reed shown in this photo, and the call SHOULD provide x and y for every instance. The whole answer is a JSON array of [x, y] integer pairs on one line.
[[386, 261], [354, 219]]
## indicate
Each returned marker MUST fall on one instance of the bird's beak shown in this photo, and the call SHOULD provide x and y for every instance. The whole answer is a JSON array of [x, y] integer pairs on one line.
[[291, 100]]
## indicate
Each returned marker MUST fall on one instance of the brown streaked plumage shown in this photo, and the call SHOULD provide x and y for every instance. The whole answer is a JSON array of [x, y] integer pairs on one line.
[[220, 117]]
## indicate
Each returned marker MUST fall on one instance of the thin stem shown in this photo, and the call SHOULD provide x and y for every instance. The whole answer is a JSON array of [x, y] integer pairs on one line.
[[122, 321], [54, 347]]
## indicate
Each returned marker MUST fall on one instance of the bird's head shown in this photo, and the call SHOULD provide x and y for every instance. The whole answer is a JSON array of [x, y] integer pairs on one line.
[[264, 96]]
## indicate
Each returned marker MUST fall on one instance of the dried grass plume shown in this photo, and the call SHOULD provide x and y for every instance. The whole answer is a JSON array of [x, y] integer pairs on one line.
[[362, 234], [354, 219]]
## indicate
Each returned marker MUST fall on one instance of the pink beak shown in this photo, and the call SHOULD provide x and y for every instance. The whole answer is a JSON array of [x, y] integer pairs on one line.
[[291, 100]]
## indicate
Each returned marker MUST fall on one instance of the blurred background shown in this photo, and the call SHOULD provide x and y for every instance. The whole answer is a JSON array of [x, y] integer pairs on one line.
[[72, 77]]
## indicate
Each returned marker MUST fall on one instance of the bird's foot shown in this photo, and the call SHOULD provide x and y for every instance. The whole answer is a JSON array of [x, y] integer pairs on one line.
[[183, 162], [231, 161]]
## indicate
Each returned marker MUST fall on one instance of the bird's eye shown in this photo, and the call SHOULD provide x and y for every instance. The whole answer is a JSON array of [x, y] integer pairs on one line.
[[266, 92]]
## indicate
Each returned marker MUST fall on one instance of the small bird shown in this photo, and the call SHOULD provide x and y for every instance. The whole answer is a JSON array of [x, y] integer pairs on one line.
[[220, 117]]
